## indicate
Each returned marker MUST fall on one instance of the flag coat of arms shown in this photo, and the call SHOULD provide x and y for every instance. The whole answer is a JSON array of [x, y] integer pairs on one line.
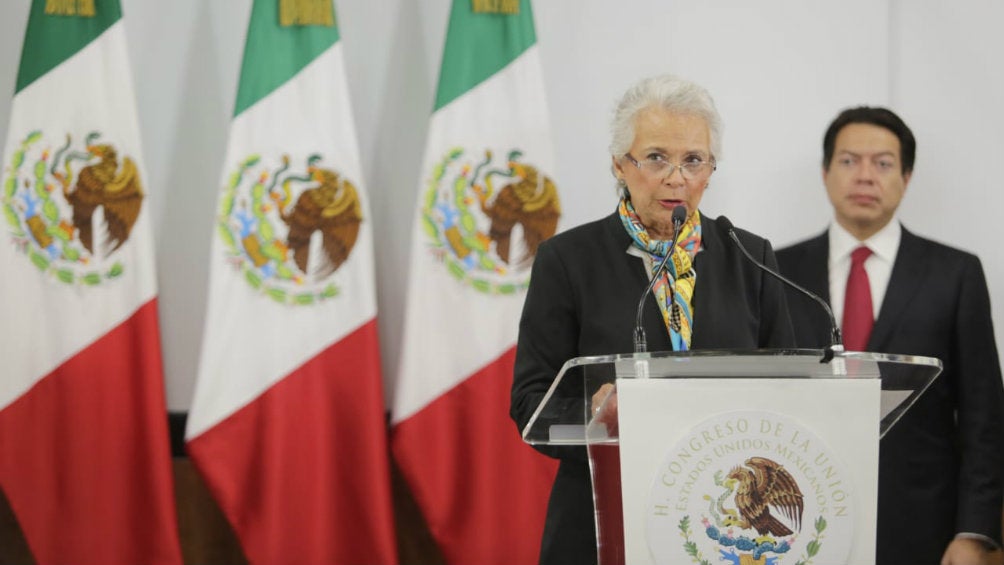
[[486, 201], [84, 449], [287, 426]]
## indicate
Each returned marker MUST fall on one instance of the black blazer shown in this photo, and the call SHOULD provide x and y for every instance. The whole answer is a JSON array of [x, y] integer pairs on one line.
[[940, 466], [582, 300]]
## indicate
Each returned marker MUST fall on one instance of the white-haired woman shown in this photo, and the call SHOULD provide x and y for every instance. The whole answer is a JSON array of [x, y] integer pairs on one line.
[[586, 282]]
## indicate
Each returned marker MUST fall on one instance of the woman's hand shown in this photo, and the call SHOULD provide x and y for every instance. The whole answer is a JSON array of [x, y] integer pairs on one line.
[[965, 551], [606, 412]]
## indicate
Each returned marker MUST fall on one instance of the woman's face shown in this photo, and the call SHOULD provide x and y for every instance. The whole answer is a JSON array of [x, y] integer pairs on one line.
[[661, 135]]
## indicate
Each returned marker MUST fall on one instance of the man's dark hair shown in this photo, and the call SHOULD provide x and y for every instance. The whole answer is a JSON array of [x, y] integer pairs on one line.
[[881, 117]]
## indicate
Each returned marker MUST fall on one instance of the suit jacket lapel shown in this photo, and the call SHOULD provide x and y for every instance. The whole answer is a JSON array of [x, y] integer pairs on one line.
[[908, 275], [815, 271], [703, 268]]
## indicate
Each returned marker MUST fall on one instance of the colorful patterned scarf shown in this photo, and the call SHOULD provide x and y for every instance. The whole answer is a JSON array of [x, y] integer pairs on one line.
[[678, 316]]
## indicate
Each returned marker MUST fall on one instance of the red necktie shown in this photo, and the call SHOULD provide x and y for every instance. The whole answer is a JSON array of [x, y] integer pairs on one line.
[[858, 318]]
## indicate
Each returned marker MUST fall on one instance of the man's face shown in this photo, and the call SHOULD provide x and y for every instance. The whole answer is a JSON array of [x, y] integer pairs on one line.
[[865, 180]]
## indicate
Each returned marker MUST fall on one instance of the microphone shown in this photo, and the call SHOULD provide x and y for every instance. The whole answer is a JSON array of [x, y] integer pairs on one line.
[[640, 341], [836, 343]]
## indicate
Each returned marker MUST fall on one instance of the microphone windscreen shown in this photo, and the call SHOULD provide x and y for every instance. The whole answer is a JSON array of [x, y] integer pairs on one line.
[[679, 215]]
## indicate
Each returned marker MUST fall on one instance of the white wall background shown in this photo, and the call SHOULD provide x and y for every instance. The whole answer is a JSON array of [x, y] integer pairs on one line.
[[780, 70]]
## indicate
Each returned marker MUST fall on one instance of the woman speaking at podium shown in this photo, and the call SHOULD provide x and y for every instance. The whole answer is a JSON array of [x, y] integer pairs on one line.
[[586, 282]]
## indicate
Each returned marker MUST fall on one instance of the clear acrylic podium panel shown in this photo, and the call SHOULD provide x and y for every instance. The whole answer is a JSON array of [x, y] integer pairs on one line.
[[568, 415]]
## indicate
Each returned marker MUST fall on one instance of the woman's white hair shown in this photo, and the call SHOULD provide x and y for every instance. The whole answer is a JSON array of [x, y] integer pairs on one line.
[[670, 93]]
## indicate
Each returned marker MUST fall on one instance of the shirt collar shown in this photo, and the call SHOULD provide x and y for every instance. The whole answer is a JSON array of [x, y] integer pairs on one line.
[[884, 244]]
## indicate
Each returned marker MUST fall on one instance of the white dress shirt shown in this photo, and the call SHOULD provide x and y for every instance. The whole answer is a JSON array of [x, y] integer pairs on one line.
[[884, 246]]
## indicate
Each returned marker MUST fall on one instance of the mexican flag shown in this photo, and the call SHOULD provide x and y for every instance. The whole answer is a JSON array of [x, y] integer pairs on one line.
[[287, 425], [486, 201], [84, 454]]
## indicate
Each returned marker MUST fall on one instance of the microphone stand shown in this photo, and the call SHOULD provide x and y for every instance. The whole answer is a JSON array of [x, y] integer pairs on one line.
[[836, 342], [640, 340]]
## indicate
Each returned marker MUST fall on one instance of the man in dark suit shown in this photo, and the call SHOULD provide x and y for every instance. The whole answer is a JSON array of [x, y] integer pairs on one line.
[[940, 467]]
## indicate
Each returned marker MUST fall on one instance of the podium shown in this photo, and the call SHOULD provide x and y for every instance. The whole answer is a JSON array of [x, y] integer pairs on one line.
[[753, 457]]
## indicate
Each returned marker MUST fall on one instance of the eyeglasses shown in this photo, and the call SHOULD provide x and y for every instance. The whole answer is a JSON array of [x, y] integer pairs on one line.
[[657, 166]]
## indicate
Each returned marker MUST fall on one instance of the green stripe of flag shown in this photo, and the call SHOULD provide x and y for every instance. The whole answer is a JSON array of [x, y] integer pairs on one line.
[[274, 54], [49, 39], [480, 45]]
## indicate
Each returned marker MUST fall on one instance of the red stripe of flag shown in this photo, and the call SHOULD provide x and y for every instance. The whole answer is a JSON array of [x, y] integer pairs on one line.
[[85, 456], [482, 490], [302, 471]]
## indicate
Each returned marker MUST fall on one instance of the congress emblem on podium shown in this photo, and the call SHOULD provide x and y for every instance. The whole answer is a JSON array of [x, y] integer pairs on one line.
[[288, 225], [485, 214], [750, 488], [71, 205]]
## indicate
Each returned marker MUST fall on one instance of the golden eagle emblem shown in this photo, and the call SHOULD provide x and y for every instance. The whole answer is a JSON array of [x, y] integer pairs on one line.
[[486, 222], [760, 486], [331, 208], [288, 231], [530, 202], [102, 185], [52, 202]]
